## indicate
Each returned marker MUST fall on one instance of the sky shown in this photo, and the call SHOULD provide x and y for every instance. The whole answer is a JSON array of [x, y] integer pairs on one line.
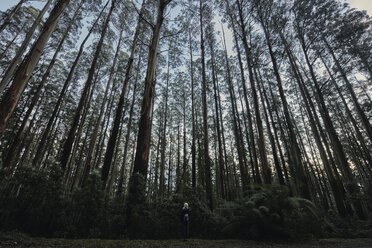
[[358, 4]]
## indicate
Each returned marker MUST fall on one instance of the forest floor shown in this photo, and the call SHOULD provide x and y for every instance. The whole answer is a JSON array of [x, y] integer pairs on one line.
[[20, 240]]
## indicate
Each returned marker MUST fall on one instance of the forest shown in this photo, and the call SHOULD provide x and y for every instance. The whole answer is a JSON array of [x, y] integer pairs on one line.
[[257, 113]]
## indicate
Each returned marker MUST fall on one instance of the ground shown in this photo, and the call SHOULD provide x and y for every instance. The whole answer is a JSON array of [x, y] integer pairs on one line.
[[19, 240]]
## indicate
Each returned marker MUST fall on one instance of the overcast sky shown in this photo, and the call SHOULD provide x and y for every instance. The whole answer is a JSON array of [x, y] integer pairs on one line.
[[359, 4]]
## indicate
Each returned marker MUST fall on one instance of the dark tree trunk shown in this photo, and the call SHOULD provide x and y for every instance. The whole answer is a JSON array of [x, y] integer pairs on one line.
[[84, 96], [41, 147]]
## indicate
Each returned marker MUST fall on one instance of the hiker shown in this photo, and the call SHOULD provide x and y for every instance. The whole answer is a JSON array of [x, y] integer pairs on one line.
[[186, 221]]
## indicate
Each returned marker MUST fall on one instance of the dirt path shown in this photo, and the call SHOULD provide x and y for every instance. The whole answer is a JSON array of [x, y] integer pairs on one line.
[[11, 240]]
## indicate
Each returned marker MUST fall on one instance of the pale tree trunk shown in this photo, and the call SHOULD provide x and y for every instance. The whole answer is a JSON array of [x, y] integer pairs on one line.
[[24, 71], [41, 147], [17, 58], [84, 96], [16, 142]]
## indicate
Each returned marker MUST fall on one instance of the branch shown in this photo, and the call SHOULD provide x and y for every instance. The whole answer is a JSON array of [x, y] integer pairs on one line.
[[143, 18]]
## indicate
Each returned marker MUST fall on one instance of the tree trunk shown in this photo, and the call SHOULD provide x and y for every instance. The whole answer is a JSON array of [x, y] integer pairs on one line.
[[16, 142], [9, 73], [41, 147], [349, 178], [362, 115], [23, 73], [84, 96], [119, 110], [137, 184], [266, 172], [10, 15], [207, 159]]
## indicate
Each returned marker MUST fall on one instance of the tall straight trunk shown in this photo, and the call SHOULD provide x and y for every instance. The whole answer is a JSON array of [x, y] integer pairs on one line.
[[24, 71], [9, 73], [271, 137], [84, 96], [207, 159], [129, 129], [266, 172], [71, 167], [41, 147], [137, 182], [237, 134], [367, 125], [359, 134], [9, 17], [93, 140], [276, 137], [349, 178], [221, 160], [300, 178], [251, 139], [164, 139], [338, 193], [228, 185], [193, 139], [11, 43], [16, 142], [119, 110]]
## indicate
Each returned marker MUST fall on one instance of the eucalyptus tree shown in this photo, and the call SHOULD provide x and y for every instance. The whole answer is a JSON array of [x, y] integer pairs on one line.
[[137, 184], [119, 110], [23, 73], [263, 10], [8, 16], [84, 95], [16, 142], [18, 56], [62, 95], [304, 22]]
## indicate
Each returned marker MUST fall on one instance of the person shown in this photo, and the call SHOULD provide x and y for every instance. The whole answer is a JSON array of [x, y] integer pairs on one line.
[[186, 221]]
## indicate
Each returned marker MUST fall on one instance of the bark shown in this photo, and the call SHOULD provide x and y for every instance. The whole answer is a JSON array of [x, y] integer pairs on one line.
[[137, 182], [23, 73], [193, 145], [349, 178], [93, 141], [9, 73], [16, 142], [362, 115], [9, 17], [300, 178], [271, 137], [41, 147], [207, 160], [266, 172], [338, 193], [119, 110], [221, 160], [84, 96]]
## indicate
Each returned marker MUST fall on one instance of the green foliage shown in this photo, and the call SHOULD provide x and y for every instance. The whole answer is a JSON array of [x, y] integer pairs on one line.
[[34, 201], [270, 213]]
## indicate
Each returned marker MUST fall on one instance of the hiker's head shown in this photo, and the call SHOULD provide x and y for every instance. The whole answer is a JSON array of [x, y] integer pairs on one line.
[[186, 205]]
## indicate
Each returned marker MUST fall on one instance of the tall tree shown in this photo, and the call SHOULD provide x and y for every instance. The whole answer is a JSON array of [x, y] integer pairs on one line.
[[24, 71]]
